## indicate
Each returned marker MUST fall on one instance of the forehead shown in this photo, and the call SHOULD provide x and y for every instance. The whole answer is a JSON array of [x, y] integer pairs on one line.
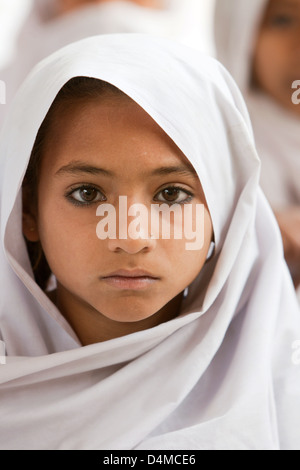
[[113, 130]]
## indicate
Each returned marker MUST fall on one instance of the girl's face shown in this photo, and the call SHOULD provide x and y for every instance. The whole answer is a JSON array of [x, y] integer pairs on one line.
[[277, 53], [95, 153]]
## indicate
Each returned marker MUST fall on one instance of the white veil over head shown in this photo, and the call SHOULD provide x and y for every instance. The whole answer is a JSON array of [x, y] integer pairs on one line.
[[220, 375]]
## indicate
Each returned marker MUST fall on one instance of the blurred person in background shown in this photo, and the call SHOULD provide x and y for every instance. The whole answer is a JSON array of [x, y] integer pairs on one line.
[[53, 24], [259, 43]]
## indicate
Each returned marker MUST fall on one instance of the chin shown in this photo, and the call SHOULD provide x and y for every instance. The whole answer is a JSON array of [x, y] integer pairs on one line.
[[129, 312]]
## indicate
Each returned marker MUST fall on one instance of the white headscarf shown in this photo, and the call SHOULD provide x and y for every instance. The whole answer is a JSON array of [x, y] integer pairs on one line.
[[276, 130], [220, 375]]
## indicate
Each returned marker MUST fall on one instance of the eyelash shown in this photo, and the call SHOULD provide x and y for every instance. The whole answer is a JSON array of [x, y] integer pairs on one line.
[[69, 195]]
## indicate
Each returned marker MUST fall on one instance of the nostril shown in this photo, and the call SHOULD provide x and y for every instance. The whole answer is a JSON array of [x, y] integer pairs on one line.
[[132, 246]]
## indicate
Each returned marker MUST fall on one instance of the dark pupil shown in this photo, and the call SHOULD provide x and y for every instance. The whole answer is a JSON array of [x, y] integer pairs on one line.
[[88, 194], [171, 194]]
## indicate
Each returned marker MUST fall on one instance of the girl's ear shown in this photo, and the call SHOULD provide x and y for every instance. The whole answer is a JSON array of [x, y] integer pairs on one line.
[[29, 217]]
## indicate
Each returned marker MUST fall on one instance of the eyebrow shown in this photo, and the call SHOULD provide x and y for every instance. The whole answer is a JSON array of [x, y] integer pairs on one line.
[[182, 170], [288, 4], [77, 168]]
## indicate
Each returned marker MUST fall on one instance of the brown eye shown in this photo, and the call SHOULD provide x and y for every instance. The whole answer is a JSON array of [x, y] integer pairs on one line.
[[174, 195], [88, 194], [282, 21], [85, 195], [171, 195]]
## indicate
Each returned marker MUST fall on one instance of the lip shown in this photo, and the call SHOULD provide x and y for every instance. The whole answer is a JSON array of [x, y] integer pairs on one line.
[[137, 279]]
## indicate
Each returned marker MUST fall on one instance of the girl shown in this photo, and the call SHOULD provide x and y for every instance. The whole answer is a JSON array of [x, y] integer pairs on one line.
[[259, 43], [140, 342]]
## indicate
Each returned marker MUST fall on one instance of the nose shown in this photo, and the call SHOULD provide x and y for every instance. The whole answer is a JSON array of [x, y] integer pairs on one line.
[[131, 246], [133, 230]]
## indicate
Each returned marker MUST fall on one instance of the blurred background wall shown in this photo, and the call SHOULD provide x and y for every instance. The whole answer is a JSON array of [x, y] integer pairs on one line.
[[13, 13]]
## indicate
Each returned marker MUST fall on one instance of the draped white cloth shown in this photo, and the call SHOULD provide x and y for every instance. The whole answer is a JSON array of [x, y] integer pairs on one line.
[[219, 376]]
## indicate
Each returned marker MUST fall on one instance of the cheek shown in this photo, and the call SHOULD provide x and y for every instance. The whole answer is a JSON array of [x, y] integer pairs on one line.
[[271, 59], [184, 266], [69, 241], [186, 257]]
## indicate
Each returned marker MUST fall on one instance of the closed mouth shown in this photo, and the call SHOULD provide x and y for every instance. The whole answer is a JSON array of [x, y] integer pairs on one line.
[[133, 280]]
